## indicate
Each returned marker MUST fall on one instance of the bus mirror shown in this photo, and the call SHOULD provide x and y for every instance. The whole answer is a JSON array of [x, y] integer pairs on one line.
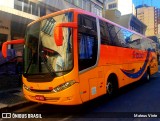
[[58, 35], [5, 45], [58, 31]]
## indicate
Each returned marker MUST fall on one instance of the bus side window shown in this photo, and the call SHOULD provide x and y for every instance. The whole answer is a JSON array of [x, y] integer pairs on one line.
[[126, 37], [113, 34], [135, 42], [87, 41], [104, 34]]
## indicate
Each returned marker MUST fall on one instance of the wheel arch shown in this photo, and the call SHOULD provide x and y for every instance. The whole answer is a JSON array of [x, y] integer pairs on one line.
[[148, 69], [113, 77]]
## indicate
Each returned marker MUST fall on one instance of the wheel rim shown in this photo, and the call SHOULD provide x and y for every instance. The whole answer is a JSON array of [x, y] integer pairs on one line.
[[148, 76], [109, 88]]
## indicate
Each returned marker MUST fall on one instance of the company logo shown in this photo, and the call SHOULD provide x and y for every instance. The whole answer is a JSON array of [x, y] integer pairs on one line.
[[18, 115], [138, 54], [6, 115]]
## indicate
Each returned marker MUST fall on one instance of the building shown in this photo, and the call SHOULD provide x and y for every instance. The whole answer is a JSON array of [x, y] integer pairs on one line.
[[128, 21], [124, 6], [94, 6], [122, 12], [14, 17], [131, 22], [16, 14], [158, 19], [151, 17]]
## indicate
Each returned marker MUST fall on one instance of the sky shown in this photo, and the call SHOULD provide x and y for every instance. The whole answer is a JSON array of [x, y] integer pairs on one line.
[[155, 3]]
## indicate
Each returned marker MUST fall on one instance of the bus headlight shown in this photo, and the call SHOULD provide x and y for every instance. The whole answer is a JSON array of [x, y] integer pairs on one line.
[[63, 86], [27, 88]]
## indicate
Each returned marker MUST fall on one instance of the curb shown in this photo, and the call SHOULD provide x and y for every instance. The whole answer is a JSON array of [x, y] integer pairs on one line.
[[12, 107]]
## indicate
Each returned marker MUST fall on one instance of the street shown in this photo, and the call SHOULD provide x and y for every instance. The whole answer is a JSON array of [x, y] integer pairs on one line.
[[135, 99]]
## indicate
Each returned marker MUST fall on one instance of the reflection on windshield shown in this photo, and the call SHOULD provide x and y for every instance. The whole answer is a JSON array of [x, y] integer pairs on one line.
[[42, 55]]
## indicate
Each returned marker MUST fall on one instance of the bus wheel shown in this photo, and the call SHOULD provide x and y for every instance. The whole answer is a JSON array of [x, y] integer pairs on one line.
[[112, 87]]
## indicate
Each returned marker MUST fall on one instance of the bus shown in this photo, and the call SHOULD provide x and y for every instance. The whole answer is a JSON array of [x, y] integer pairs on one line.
[[73, 56]]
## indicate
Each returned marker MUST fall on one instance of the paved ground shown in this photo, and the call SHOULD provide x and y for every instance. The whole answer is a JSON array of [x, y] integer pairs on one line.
[[9, 82], [10, 99], [11, 95]]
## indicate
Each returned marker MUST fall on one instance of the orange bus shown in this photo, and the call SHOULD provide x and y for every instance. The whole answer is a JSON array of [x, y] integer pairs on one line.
[[73, 56]]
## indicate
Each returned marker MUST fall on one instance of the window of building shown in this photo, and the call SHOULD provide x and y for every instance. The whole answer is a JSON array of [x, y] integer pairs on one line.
[[100, 1], [70, 1], [96, 9], [111, 6], [29, 7], [136, 27], [86, 5], [48, 26], [34, 8], [3, 38], [42, 11], [26, 7], [18, 5], [110, 0], [78, 3]]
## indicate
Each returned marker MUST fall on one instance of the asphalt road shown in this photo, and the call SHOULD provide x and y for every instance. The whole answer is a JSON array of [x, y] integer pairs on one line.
[[139, 99]]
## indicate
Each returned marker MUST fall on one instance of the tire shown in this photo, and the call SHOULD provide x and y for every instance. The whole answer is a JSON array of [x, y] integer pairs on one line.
[[112, 87]]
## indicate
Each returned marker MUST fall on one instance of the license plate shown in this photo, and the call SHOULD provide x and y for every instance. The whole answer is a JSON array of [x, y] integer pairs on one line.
[[40, 97]]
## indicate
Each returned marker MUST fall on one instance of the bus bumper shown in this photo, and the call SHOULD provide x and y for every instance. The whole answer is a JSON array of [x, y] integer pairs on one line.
[[69, 96]]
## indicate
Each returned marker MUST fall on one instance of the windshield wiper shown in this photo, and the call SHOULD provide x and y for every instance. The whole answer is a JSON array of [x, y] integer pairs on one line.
[[29, 66], [48, 66]]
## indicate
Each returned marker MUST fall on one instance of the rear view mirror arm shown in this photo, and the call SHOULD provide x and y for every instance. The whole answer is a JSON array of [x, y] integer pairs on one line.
[[5, 45]]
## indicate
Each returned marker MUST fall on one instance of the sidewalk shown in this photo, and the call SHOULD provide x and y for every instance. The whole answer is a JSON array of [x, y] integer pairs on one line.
[[11, 95], [12, 99]]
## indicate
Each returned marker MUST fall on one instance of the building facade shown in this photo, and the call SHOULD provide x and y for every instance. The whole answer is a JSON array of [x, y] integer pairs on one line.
[[94, 6], [132, 22], [124, 6], [158, 19], [128, 21], [151, 17], [16, 14], [14, 17]]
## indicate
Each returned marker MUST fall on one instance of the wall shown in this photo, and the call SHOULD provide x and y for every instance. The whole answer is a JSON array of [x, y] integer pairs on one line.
[[113, 15], [146, 15], [7, 3], [5, 24]]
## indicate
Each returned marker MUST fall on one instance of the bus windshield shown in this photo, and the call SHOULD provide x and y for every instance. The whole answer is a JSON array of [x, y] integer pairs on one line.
[[41, 54]]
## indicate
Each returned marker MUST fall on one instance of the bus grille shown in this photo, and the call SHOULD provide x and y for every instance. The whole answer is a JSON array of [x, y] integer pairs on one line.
[[41, 91]]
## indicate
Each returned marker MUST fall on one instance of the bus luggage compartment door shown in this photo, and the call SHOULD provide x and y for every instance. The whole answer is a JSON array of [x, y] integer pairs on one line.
[[97, 87]]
